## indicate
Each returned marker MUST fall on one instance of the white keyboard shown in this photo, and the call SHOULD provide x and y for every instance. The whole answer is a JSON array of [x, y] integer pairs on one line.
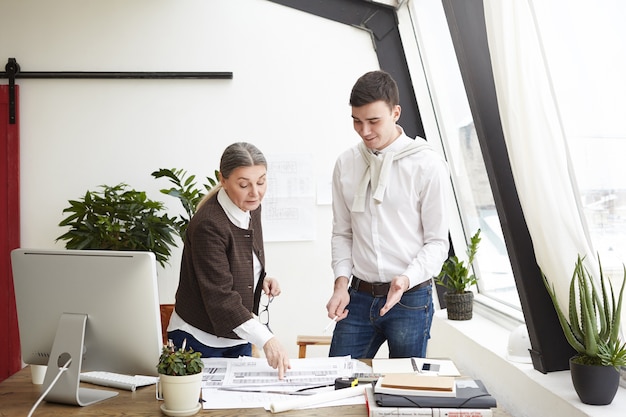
[[119, 381]]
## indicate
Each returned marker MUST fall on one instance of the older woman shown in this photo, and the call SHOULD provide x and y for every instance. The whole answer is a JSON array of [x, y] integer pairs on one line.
[[222, 273]]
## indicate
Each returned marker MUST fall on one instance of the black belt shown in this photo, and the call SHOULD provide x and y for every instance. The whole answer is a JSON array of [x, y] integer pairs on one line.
[[380, 289]]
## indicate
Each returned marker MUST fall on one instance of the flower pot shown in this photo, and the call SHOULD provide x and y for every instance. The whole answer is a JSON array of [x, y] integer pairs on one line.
[[181, 394], [594, 384], [459, 306]]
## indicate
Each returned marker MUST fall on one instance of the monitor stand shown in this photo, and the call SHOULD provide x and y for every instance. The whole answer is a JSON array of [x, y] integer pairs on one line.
[[69, 344]]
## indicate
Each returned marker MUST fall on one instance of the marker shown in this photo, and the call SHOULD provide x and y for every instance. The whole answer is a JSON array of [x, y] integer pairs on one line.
[[330, 324]]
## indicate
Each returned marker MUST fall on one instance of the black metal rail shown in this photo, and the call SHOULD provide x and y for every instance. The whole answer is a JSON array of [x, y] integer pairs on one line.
[[13, 72]]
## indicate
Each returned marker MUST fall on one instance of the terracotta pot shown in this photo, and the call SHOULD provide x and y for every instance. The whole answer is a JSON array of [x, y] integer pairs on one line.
[[459, 306], [594, 384]]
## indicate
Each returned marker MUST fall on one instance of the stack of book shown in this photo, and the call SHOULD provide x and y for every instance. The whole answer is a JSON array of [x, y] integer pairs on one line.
[[419, 392]]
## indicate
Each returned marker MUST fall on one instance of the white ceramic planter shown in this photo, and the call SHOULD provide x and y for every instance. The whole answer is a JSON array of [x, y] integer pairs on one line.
[[181, 394]]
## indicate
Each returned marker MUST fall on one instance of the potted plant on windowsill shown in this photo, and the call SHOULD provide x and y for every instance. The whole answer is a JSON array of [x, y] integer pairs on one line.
[[180, 380], [119, 218], [592, 328], [456, 278]]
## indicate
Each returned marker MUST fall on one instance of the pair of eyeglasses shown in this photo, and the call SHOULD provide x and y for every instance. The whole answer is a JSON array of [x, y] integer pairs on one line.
[[264, 314]]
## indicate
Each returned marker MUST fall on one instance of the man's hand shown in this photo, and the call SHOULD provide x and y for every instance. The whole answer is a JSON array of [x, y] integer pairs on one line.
[[276, 356], [399, 284], [336, 306]]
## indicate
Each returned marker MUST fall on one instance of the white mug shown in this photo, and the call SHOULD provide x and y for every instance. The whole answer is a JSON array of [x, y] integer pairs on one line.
[[38, 373]]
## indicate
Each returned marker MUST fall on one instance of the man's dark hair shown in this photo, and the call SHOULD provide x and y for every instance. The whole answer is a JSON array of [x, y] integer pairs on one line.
[[374, 86]]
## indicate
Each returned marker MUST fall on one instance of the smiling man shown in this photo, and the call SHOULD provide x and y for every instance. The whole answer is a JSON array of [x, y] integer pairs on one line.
[[390, 230]]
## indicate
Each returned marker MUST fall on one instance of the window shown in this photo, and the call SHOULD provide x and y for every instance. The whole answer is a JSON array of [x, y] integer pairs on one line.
[[453, 123]]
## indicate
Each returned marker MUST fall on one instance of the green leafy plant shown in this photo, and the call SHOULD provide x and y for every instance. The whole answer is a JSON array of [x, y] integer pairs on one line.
[[187, 191], [455, 275], [119, 218], [592, 325], [181, 361]]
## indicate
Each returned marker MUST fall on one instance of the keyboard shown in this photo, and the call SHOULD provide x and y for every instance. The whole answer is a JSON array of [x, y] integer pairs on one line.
[[119, 381]]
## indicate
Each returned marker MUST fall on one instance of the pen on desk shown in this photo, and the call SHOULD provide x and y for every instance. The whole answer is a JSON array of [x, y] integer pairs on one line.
[[334, 320]]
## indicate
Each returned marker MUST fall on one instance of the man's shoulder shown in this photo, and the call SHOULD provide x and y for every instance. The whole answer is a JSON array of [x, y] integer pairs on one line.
[[350, 152]]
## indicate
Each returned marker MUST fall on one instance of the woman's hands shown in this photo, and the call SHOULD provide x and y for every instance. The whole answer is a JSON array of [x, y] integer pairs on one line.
[[277, 356], [275, 353], [271, 287]]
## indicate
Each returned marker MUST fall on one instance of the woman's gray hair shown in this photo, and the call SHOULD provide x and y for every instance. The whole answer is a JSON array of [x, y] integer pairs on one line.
[[237, 155], [240, 154]]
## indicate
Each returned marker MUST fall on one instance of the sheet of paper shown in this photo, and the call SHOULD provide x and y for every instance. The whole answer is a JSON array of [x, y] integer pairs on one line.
[[214, 371], [217, 399], [254, 372], [425, 366], [222, 378]]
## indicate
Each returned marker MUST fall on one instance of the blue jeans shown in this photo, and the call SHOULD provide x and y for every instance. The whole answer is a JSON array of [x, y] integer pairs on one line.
[[406, 327], [177, 336]]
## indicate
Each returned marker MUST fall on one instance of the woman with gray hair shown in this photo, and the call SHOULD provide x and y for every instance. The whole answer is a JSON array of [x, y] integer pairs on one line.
[[222, 275]]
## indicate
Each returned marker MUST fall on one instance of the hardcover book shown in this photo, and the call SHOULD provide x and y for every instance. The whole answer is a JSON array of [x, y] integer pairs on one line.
[[414, 384], [470, 393]]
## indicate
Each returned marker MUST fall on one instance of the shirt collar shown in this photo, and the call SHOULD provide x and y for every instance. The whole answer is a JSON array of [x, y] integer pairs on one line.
[[397, 145], [236, 215]]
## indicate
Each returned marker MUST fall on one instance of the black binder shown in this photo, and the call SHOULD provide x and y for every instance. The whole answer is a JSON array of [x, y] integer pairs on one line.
[[470, 393]]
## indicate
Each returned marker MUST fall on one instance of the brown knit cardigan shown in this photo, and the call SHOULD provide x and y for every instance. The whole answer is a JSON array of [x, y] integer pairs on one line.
[[215, 291]]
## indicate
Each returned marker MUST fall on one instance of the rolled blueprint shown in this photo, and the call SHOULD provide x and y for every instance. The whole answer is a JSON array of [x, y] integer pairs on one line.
[[323, 397]]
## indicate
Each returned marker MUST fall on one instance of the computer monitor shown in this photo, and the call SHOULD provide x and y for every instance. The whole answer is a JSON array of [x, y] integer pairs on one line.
[[99, 308]]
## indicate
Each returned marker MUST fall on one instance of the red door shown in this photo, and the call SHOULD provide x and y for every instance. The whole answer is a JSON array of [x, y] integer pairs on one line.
[[9, 232]]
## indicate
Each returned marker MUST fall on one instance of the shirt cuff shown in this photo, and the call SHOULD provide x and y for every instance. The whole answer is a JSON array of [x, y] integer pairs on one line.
[[254, 332]]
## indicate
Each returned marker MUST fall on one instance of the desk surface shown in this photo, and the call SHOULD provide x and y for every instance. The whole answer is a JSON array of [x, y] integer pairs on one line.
[[18, 395]]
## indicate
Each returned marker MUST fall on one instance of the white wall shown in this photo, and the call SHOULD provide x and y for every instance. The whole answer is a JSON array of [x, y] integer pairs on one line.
[[292, 76]]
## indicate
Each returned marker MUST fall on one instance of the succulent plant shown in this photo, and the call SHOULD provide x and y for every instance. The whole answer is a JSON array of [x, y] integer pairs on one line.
[[592, 325], [175, 361]]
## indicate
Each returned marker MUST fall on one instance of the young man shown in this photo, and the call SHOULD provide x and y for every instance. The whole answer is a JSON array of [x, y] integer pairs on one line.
[[390, 230]]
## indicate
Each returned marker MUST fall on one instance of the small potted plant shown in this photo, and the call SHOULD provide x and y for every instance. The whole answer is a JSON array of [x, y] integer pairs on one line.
[[180, 380], [456, 278], [119, 218], [592, 328]]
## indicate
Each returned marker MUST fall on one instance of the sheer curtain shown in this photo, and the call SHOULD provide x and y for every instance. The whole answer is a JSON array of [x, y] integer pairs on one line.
[[536, 142]]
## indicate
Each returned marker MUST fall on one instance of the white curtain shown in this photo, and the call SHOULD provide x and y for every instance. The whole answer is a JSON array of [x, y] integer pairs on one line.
[[536, 143]]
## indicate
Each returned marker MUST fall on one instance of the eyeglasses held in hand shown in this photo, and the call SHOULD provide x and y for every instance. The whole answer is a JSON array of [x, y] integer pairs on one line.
[[264, 314]]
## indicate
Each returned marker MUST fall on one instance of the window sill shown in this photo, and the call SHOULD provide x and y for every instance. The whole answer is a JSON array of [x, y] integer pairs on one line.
[[479, 349]]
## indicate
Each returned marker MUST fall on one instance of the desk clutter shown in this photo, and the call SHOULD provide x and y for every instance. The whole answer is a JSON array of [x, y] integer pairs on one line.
[[425, 387]]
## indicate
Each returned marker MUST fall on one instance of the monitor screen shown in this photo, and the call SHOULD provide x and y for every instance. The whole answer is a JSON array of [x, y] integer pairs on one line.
[[101, 306]]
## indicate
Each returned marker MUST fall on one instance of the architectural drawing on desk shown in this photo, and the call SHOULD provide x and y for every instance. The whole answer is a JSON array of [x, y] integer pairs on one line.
[[214, 372], [289, 204], [248, 372]]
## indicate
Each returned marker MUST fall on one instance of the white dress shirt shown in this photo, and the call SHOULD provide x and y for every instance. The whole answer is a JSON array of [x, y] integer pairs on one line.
[[407, 233]]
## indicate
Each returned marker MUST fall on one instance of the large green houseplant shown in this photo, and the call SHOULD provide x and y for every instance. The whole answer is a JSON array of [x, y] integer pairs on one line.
[[592, 328], [187, 191], [180, 379], [457, 278], [119, 218]]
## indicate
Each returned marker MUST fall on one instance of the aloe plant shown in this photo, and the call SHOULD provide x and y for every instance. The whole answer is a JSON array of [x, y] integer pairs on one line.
[[455, 275], [592, 325]]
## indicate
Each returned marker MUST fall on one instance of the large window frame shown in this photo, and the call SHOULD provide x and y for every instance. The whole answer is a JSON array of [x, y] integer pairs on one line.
[[549, 349]]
